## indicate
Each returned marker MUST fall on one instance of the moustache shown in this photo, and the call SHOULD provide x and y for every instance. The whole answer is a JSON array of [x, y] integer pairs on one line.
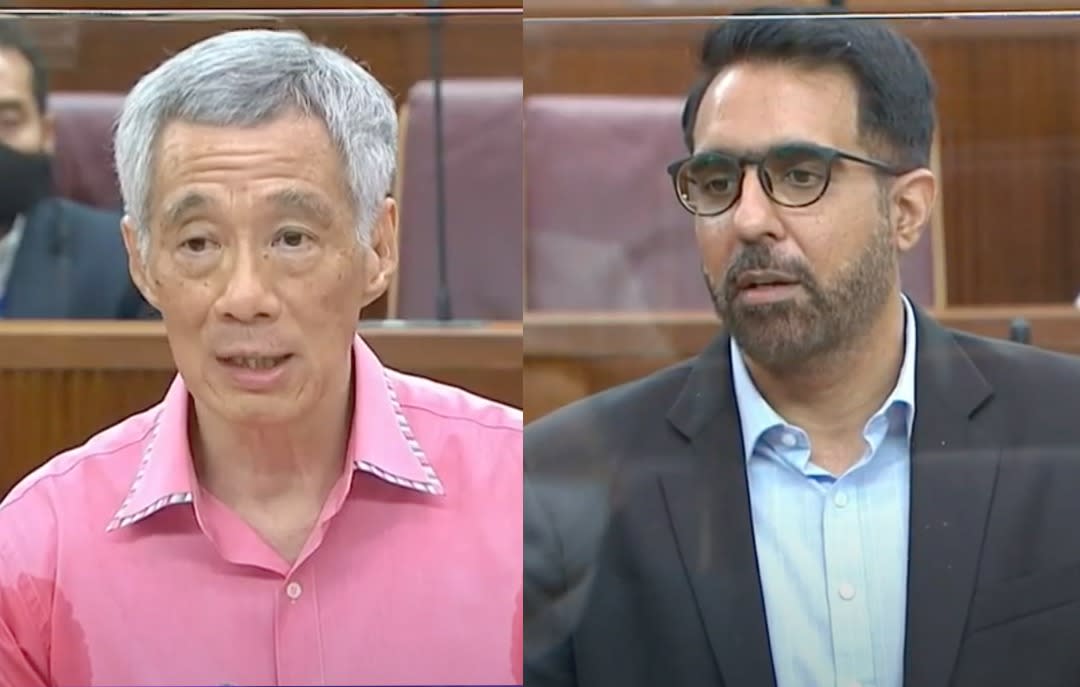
[[758, 258]]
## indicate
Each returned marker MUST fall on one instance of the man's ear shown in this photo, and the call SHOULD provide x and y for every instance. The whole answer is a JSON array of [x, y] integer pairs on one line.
[[913, 204], [381, 261], [136, 262]]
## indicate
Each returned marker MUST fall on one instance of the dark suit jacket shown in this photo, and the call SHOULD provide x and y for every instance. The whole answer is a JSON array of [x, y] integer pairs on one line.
[[71, 264], [640, 565]]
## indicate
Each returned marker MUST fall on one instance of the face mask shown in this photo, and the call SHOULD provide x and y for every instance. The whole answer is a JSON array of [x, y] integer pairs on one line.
[[25, 178]]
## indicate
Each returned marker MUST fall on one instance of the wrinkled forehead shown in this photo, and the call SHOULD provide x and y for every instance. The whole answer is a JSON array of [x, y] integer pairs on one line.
[[289, 163], [281, 200]]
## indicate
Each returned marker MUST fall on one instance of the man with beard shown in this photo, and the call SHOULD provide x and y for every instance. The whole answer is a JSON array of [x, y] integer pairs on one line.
[[837, 491], [58, 259]]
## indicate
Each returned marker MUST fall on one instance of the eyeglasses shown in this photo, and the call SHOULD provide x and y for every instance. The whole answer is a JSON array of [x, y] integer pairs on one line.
[[793, 175]]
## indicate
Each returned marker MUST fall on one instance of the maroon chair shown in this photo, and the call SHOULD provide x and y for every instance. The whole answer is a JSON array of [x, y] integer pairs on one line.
[[483, 163], [604, 230], [83, 168]]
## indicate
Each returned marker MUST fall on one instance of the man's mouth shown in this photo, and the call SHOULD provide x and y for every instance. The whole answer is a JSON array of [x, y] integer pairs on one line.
[[758, 279], [255, 362]]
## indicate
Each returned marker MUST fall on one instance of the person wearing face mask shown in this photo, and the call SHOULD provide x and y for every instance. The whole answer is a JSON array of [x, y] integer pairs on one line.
[[58, 259]]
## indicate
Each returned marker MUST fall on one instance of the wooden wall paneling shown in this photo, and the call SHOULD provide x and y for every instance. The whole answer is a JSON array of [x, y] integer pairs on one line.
[[110, 54], [1009, 100], [608, 8], [633, 58], [623, 8], [309, 5]]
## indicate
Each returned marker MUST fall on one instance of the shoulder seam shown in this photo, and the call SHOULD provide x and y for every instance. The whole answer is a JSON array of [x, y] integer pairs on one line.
[[76, 463], [462, 418]]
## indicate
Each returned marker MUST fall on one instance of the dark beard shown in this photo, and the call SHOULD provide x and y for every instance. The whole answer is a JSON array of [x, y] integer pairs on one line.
[[818, 321]]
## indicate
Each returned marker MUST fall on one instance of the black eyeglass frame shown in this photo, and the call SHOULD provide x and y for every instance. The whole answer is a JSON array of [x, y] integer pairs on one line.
[[829, 155]]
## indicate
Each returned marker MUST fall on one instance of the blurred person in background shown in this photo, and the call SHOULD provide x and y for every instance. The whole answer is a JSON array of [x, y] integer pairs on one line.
[[838, 490], [58, 259], [293, 512]]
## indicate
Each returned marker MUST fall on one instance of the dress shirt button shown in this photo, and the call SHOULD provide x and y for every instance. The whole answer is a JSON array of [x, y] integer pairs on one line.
[[846, 591], [789, 439], [840, 499], [294, 590]]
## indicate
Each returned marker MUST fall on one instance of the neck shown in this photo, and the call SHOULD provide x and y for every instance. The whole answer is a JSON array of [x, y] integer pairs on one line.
[[253, 467], [836, 394]]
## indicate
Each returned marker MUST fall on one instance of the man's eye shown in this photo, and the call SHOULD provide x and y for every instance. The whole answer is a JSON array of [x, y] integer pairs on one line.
[[292, 238]]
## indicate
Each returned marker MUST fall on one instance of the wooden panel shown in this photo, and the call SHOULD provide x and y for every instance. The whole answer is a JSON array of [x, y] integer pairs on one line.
[[569, 356], [937, 6], [307, 6], [647, 8], [638, 8], [1010, 116], [111, 53], [61, 382]]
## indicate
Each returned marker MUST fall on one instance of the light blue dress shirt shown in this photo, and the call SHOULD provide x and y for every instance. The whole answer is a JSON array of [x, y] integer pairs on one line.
[[832, 551]]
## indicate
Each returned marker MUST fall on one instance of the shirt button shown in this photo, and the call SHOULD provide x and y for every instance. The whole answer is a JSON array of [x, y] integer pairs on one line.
[[840, 499], [789, 439], [294, 590], [846, 591]]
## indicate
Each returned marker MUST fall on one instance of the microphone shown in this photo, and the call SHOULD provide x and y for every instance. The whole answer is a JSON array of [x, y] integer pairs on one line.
[[1020, 331], [444, 318], [443, 309]]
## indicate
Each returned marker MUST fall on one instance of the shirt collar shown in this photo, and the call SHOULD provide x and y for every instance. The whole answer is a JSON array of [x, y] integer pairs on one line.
[[381, 443], [756, 416]]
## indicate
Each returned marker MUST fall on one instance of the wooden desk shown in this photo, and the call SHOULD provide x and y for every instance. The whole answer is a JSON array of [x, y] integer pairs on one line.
[[61, 382], [568, 356]]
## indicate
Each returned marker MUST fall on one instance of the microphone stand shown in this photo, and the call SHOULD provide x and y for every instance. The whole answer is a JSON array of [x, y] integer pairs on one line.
[[443, 311], [1020, 331]]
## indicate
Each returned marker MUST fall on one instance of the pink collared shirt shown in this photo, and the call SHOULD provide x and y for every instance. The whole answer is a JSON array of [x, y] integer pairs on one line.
[[116, 569]]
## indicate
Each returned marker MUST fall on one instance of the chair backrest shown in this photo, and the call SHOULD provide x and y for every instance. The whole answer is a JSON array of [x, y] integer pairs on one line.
[[604, 230], [83, 168], [483, 173]]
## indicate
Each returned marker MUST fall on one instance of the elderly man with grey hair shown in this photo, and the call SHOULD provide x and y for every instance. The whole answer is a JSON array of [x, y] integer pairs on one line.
[[292, 512]]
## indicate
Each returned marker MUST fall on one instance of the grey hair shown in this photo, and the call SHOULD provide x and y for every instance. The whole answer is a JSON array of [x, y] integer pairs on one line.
[[249, 77]]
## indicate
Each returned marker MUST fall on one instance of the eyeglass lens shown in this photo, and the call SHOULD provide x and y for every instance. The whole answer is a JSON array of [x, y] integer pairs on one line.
[[709, 183]]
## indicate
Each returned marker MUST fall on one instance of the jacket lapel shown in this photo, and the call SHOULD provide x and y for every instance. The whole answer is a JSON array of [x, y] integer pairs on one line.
[[954, 464], [709, 506], [38, 285], [955, 455]]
